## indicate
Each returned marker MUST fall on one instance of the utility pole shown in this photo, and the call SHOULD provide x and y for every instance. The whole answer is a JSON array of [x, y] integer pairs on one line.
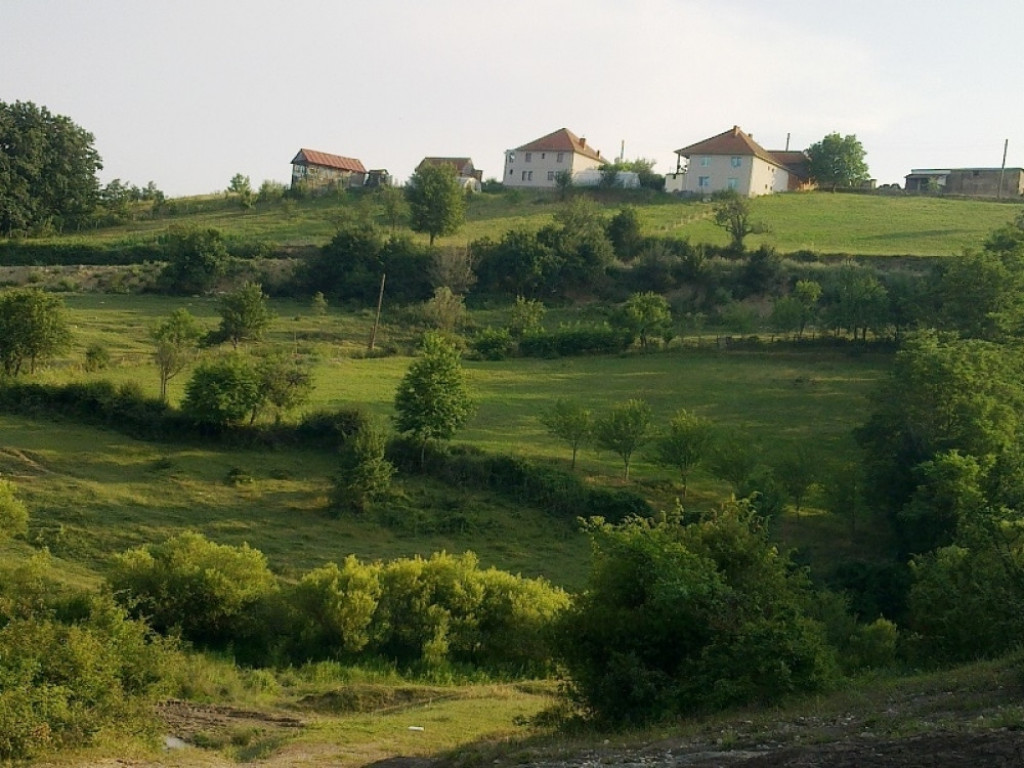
[[376, 319], [1002, 170]]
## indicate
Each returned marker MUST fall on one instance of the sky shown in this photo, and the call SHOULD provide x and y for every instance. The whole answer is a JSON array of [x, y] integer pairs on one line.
[[189, 93]]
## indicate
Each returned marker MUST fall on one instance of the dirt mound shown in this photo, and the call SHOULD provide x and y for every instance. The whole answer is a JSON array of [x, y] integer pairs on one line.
[[200, 724]]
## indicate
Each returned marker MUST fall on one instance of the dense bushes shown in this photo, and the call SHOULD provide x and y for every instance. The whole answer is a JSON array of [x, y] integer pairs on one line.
[[433, 611], [71, 666], [678, 618]]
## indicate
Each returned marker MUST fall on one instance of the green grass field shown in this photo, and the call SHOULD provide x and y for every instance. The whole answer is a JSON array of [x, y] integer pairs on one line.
[[818, 221]]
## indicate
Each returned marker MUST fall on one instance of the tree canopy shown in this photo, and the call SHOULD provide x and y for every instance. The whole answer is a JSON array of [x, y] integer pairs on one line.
[[437, 203], [48, 169], [33, 327], [838, 161]]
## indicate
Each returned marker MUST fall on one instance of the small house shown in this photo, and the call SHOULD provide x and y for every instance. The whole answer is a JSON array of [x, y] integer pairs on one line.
[[539, 163], [320, 170]]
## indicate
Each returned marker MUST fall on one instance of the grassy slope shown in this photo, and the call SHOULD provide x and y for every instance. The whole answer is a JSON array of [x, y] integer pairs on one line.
[[818, 221]]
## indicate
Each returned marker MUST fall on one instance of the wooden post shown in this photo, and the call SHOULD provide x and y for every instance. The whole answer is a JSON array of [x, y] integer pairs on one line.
[[376, 319]]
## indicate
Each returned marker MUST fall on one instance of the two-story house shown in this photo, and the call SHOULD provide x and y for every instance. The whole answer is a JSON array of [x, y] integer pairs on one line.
[[733, 160], [539, 163]]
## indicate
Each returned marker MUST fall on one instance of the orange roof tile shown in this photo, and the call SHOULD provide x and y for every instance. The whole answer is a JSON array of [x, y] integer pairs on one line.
[[731, 142], [325, 160], [463, 165], [562, 140]]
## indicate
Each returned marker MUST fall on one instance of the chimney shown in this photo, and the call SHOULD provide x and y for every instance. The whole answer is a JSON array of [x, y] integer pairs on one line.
[[583, 141], [735, 130]]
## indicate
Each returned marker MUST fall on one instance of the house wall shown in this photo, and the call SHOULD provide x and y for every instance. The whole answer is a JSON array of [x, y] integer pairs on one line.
[[984, 182], [319, 176], [748, 175], [541, 168]]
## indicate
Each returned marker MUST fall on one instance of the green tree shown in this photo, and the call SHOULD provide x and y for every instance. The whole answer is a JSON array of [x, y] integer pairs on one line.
[[245, 314], [195, 260], [733, 458], [48, 169], [437, 203], [445, 311], [859, 302], [570, 422], [175, 342], [432, 401], [285, 383], [808, 293], [319, 304], [223, 392], [242, 188], [677, 619], [13, 512], [365, 474], [623, 430], [684, 444], [624, 233], [393, 207], [527, 316], [838, 161], [33, 328], [797, 472], [732, 213], [645, 315]]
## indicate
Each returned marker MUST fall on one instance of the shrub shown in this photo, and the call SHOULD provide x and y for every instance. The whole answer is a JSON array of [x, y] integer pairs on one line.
[[494, 344], [365, 474], [222, 392], [679, 618], [210, 592], [97, 357]]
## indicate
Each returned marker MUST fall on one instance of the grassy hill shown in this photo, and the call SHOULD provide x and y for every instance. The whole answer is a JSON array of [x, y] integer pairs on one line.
[[817, 221]]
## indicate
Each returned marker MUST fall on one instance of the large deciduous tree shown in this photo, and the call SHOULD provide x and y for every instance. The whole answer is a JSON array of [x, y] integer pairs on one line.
[[684, 444], [48, 169], [195, 260], [223, 392], [623, 430], [432, 401], [437, 203], [732, 213], [645, 315], [33, 327], [838, 161]]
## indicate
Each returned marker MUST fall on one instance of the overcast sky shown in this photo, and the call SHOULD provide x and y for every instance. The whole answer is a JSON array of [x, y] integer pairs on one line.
[[190, 92]]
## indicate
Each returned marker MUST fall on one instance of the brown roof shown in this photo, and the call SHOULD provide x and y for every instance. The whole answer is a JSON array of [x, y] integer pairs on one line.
[[463, 165], [562, 140], [325, 160], [731, 142], [795, 161]]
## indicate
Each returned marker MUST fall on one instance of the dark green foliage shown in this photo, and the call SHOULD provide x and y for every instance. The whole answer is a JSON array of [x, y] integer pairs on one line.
[[732, 213], [684, 444], [13, 512], [222, 392], [678, 619], [285, 383], [625, 234], [365, 474], [33, 327], [520, 264], [330, 429], [244, 314], [97, 358], [196, 259], [437, 203], [175, 342], [575, 339], [570, 422], [48, 170], [645, 316]]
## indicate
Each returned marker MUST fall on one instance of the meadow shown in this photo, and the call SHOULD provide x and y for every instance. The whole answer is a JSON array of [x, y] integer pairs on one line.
[[823, 222]]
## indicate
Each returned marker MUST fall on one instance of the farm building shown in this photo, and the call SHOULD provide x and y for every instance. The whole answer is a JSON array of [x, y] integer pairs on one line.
[[468, 176], [733, 160], [540, 162], [320, 170], [969, 182]]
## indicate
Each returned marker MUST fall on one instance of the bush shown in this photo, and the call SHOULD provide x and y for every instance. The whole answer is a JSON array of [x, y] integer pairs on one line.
[[572, 340], [211, 592], [494, 344], [681, 618]]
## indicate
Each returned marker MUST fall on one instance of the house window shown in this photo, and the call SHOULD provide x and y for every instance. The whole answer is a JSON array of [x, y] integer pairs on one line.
[[511, 172], [704, 182], [541, 155], [529, 175], [733, 182], [705, 162], [524, 176], [560, 157], [736, 161], [529, 156], [551, 175]]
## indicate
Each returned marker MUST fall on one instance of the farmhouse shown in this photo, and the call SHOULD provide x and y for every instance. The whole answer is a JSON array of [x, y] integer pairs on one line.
[[541, 162], [733, 160], [320, 170], [969, 182], [468, 176]]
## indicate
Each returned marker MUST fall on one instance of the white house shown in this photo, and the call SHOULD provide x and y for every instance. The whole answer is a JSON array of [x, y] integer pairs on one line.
[[539, 163], [733, 160]]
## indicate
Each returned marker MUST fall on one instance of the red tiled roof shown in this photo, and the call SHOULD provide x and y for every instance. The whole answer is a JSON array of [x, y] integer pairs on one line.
[[731, 142], [796, 162], [325, 160], [562, 140], [463, 165]]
